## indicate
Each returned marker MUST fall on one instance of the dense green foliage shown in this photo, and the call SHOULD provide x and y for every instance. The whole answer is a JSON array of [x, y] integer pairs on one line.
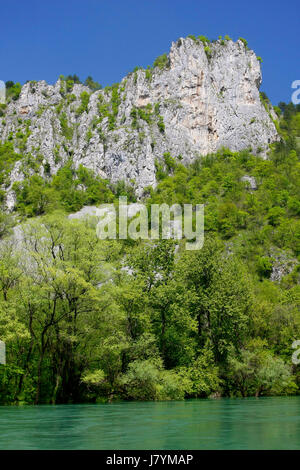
[[161, 61], [8, 158], [91, 320], [71, 80], [68, 190], [13, 90]]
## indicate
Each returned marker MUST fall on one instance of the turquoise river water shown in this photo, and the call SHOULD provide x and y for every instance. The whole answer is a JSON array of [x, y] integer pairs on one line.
[[264, 423]]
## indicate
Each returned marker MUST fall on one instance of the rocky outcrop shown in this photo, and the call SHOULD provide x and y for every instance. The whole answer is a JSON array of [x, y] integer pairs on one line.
[[250, 182], [283, 263], [197, 102]]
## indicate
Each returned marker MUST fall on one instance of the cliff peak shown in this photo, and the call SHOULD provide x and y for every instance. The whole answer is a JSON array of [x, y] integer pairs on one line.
[[200, 97]]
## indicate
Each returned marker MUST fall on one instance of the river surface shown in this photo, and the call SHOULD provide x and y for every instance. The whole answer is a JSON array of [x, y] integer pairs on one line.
[[251, 423]]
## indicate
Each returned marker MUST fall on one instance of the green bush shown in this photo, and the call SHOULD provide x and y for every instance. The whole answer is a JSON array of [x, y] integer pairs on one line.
[[258, 372], [146, 380], [13, 90], [161, 61], [67, 130], [8, 157], [208, 51], [204, 40], [244, 41], [94, 86], [161, 124], [264, 266], [85, 99]]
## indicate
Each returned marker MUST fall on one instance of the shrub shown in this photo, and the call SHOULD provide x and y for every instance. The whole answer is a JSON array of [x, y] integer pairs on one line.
[[170, 162], [275, 215], [115, 99], [207, 51], [258, 372], [66, 130], [161, 124], [74, 78], [141, 380], [145, 113], [161, 61], [69, 85], [13, 90], [264, 266], [94, 86], [8, 157], [204, 39], [146, 380], [134, 115], [85, 99], [160, 170], [244, 41], [200, 379], [6, 223], [148, 74], [2, 109]]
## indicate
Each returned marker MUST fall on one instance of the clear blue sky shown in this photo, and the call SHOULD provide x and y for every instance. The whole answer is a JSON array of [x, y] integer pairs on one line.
[[42, 39]]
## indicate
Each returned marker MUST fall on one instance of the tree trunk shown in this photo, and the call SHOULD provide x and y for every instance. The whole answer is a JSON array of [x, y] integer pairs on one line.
[[38, 387]]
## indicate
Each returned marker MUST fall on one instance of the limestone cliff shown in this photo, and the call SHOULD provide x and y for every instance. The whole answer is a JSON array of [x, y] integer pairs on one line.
[[196, 102]]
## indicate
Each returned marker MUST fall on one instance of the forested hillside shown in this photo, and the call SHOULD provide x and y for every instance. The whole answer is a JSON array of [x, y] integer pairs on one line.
[[91, 320]]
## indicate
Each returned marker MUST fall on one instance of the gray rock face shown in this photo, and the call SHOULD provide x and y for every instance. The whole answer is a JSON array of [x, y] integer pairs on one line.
[[283, 264], [193, 106], [250, 181]]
